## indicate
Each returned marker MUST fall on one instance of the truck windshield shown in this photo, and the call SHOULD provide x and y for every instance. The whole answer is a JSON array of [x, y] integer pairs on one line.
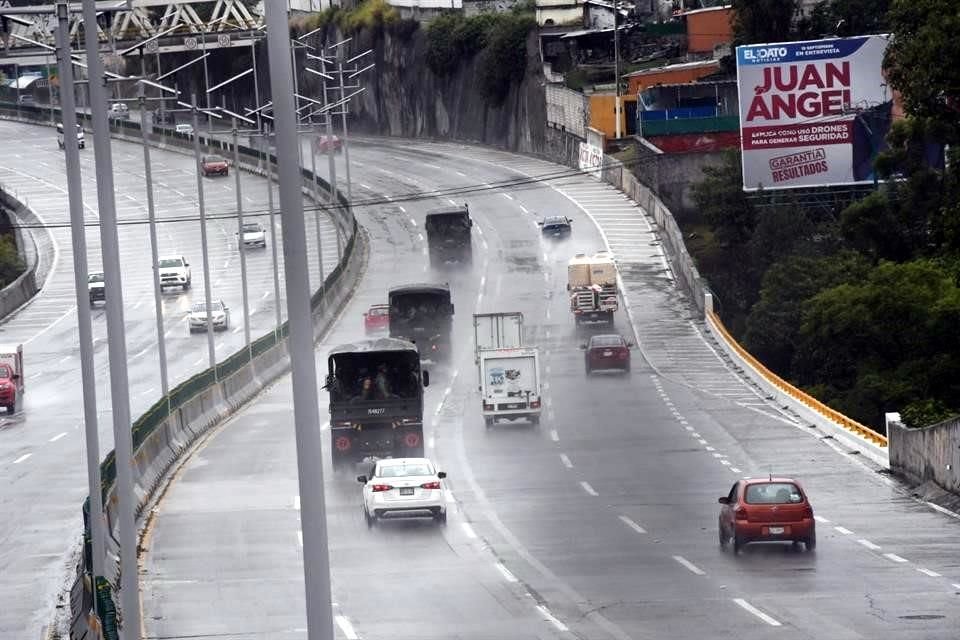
[[372, 376], [449, 223], [419, 305]]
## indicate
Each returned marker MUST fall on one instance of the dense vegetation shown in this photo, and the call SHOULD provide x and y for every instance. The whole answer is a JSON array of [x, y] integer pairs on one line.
[[498, 41], [856, 301], [11, 266]]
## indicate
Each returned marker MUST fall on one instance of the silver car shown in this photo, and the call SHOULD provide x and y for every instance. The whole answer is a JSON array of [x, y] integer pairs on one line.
[[197, 318]]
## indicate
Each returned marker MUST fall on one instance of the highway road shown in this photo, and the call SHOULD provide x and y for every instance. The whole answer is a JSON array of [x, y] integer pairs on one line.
[[601, 523], [42, 465]]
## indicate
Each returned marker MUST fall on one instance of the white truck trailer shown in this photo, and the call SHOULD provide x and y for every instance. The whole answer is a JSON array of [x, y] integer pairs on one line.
[[510, 384], [592, 284]]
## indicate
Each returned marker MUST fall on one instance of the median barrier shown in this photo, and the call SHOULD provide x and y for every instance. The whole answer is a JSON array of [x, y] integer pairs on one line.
[[25, 286]]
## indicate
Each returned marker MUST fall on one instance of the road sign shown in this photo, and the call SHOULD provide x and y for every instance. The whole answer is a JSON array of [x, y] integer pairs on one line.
[[223, 40], [190, 42]]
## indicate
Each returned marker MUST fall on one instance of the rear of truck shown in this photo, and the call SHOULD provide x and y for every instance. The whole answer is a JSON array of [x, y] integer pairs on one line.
[[510, 384], [592, 284]]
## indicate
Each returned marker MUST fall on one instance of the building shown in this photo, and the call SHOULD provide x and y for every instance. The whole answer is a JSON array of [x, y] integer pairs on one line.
[[708, 28], [681, 73]]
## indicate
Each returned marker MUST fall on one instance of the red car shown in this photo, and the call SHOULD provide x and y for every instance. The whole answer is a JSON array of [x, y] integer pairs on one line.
[[377, 318], [214, 166], [766, 510], [324, 143], [605, 352], [8, 388]]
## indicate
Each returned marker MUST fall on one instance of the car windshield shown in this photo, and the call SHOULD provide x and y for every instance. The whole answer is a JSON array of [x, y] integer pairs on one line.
[[95, 277], [606, 341], [404, 470], [5, 371], [377, 311], [252, 228], [214, 159], [554, 222], [199, 307], [773, 493]]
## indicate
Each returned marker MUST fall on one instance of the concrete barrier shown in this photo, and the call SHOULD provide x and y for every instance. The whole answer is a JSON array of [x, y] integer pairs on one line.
[[931, 454], [25, 286]]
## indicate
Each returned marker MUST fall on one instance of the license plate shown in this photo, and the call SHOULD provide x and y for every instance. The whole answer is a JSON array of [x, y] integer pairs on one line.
[[608, 353], [510, 406], [776, 531], [408, 491]]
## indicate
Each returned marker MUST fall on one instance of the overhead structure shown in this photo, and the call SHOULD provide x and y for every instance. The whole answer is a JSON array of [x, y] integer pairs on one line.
[[184, 26]]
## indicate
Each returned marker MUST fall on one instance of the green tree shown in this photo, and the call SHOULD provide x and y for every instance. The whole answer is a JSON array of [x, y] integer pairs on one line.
[[11, 265], [884, 342], [920, 60], [759, 21], [723, 203]]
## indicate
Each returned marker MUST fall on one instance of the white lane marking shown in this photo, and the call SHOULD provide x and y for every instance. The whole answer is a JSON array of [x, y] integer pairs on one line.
[[22, 458], [554, 435], [413, 222], [64, 358], [844, 531], [868, 544], [461, 174], [725, 463], [346, 627], [709, 448], [734, 469], [689, 565], [586, 487], [266, 294], [296, 502], [821, 519], [566, 461], [894, 557], [507, 196], [452, 201], [717, 455], [467, 529], [633, 525], [57, 437], [760, 614], [199, 361], [688, 428], [401, 208], [365, 186], [928, 572], [550, 617], [506, 573], [955, 585]]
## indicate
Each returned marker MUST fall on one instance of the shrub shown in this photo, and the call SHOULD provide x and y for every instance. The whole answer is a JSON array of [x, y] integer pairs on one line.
[[371, 14], [11, 265]]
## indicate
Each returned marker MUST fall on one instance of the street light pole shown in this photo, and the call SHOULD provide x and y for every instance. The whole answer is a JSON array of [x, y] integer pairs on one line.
[[208, 297], [616, 64], [78, 233], [316, 213], [116, 340], [346, 145], [306, 411], [273, 240], [240, 246]]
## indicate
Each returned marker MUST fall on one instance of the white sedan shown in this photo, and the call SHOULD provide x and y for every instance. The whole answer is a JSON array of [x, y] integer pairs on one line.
[[403, 487], [254, 235], [197, 318]]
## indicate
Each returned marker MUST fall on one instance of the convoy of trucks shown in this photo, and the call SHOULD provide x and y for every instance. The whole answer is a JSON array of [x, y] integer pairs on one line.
[[509, 371], [422, 314], [449, 236], [376, 400], [592, 284]]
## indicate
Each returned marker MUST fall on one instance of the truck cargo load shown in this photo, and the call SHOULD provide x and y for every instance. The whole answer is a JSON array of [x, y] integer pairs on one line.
[[449, 236], [510, 384], [592, 283], [422, 314], [497, 331]]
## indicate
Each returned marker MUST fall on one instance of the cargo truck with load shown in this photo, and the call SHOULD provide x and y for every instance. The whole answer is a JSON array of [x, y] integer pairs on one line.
[[592, 285], [449, 236], [509, 372], [422, 314], [376, 401]]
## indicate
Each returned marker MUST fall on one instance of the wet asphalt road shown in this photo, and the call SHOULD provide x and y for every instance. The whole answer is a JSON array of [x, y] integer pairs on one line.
[[599, 524], [42, 464]]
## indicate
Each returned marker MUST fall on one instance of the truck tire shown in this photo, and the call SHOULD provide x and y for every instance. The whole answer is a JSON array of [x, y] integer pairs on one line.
[[488, 421]]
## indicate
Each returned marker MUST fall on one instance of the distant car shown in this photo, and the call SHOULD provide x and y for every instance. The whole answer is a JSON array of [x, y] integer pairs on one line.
[[605, 352], [403, 487], [174, 272], [376, 318], [27, 99], [80, 136], [96, 287], [325, 143], [8, 388], [767, 509], [555, 227], [184, 129], [214, 165], [119, 110], [197, 318], [254, 235]]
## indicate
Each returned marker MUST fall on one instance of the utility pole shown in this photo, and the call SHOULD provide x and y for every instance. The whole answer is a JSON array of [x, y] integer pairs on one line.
[[208, 297], [116, 340], [306, 412], [616, 65], [78, 232]]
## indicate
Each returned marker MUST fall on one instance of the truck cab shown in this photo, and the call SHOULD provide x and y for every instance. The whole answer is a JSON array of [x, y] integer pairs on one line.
[[422, 314], [376, 400], [11, 376], [449, 236]]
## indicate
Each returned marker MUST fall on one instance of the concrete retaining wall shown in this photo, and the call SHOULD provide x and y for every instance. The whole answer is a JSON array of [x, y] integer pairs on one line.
[[38, 264], [928, 454]]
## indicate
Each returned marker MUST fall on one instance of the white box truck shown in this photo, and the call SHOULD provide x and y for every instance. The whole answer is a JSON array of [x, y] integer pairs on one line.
[[510, 384], [592, 284], [497, 331]]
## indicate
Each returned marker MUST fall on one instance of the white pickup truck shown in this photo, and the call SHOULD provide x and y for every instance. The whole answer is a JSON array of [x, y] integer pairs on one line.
[[174, 272]]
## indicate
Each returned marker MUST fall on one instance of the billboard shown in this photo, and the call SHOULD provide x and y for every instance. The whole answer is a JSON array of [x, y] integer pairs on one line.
[[812, 113], [591, 160]]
